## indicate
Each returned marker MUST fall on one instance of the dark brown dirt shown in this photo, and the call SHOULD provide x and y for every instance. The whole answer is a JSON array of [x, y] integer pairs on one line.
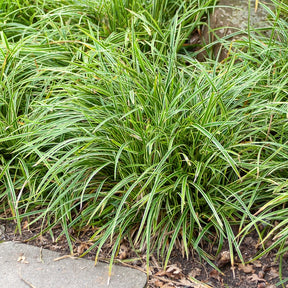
[[181, 272]]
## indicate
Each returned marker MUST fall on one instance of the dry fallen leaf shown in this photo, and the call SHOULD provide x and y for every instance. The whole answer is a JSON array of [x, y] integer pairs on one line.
[[172, 271], [261, 274], [42, 240], [195, 272], [160, 273], [257, 264], [273, 273], [161, 284], [223, 259], [185, 282], [215, 274], [246, 268], [255, 278], [82, 248], [158, 283], [168, 285]]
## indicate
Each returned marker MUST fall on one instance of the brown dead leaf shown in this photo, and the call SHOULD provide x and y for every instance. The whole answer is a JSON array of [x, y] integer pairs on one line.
[[223, 258], [273, 273], [257, 264], [173, 272], [41, 239], [161, 284], [82, 248], [246, 268], [215, 274], [168, 285], [255, 278], [261, 274], [185, 282], [174, 269], [195, 272], [158, 283], [160, 273]]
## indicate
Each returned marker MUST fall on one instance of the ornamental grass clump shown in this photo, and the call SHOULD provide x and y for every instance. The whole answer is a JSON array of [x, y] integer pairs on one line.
[[107, 121]]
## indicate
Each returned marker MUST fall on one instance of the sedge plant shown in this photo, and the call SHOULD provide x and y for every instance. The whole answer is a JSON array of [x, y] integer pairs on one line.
[[108, 122]]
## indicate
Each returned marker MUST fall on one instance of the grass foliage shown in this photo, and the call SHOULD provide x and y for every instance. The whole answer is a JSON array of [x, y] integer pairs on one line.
[[107, 121]]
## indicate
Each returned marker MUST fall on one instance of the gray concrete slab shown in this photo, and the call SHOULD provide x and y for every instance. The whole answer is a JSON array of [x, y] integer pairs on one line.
[[23, 266]]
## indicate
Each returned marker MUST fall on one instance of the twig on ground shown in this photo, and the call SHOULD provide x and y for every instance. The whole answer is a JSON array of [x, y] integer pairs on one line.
[[25, 281]]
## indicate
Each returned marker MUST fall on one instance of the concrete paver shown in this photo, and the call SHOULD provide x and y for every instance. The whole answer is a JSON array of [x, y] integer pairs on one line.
[[25, 266]]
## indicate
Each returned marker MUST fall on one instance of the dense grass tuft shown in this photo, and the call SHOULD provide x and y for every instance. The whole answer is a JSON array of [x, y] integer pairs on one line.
[[106, 120]]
